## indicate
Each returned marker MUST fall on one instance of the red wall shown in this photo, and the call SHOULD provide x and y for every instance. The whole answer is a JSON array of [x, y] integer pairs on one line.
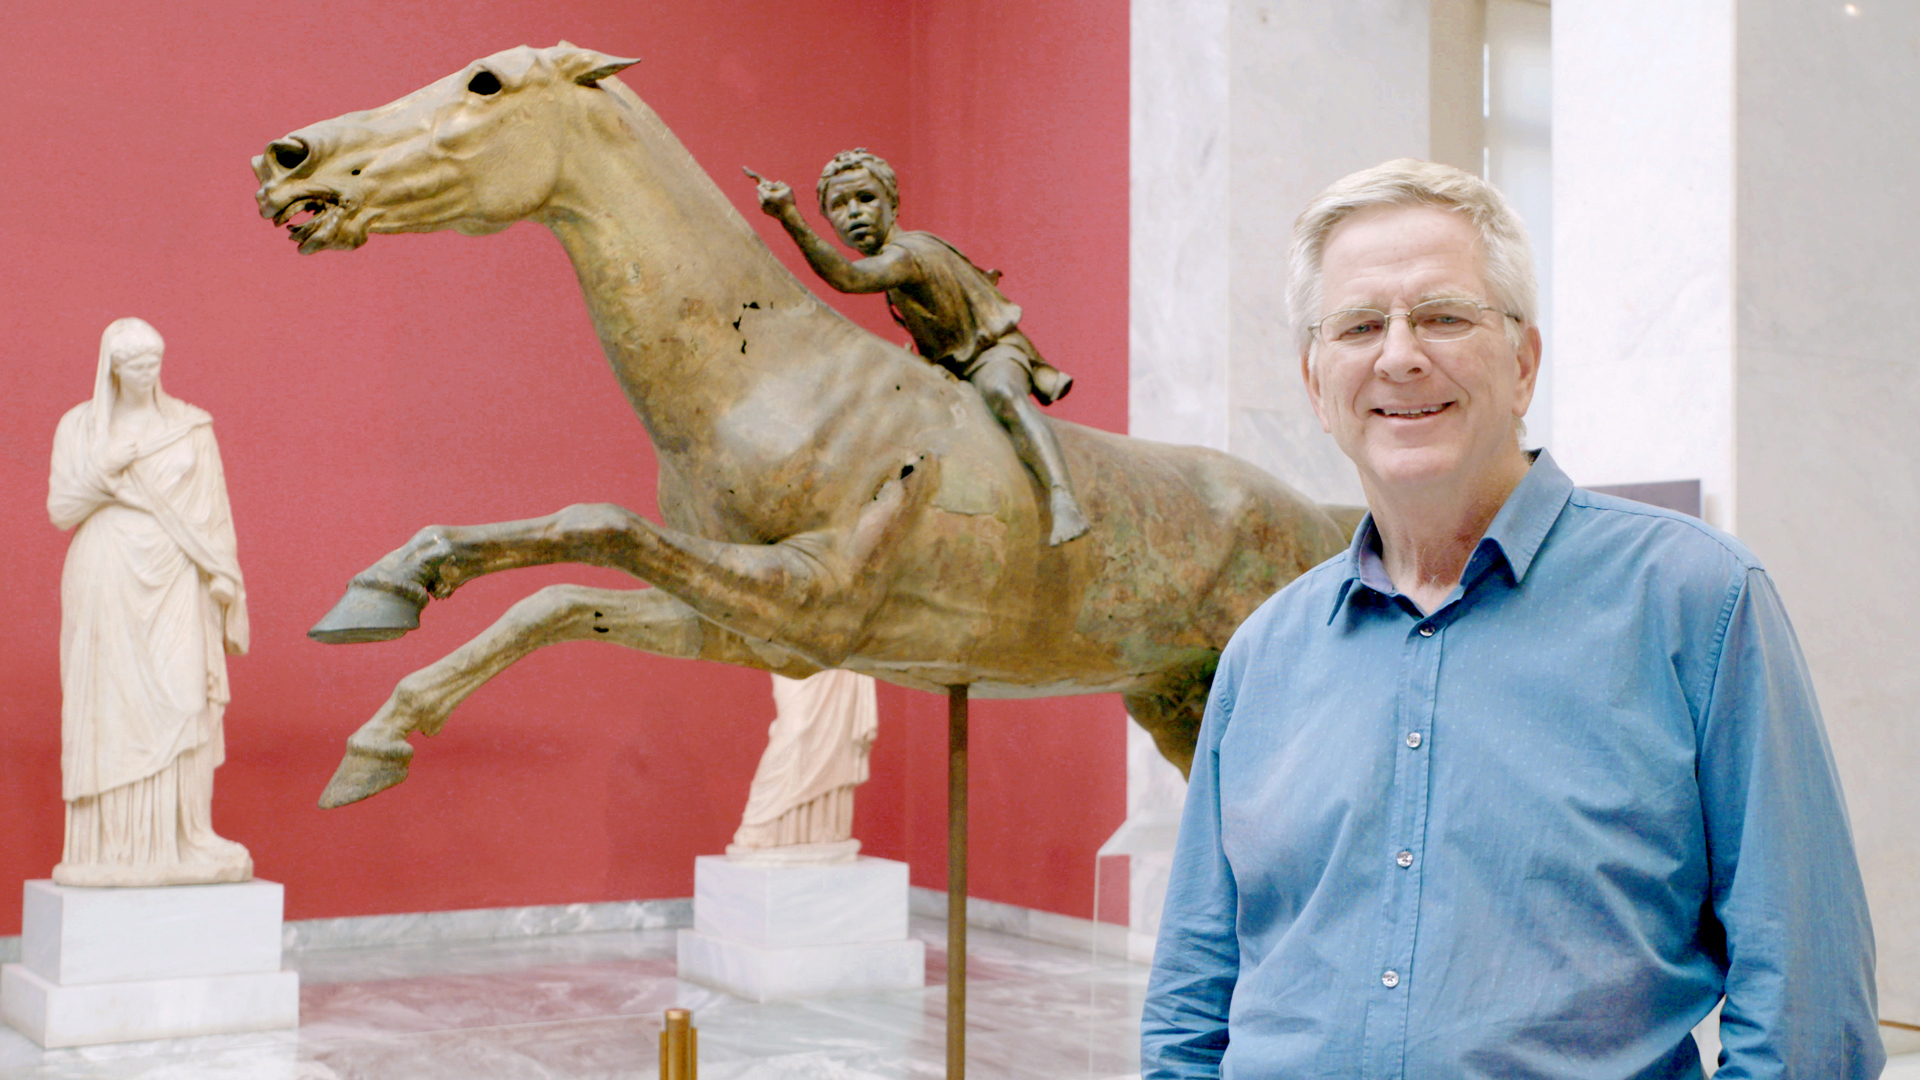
[[358, 396]]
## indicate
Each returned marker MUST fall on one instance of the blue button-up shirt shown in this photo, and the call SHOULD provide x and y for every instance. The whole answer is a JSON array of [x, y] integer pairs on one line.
[[1535, 833]]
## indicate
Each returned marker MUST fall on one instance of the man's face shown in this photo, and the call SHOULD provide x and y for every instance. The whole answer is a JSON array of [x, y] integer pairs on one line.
[[860, 211], [1413, 412]]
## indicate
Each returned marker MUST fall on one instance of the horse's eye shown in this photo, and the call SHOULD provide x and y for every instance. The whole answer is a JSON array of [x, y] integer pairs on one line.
[[484, 82]]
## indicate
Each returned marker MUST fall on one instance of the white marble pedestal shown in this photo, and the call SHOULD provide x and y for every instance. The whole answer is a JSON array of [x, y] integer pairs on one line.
[[117, 965], [772, 933]]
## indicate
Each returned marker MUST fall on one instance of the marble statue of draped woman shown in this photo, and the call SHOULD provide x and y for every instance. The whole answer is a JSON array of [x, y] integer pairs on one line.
[[800, 808], [151, 602]]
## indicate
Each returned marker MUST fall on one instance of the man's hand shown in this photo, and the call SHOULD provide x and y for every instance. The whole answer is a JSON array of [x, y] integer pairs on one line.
[[776, 198]]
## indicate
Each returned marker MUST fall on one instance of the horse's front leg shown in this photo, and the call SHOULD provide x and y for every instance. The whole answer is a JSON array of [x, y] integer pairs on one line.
[[384, 601], [647, 619], [757, 590]]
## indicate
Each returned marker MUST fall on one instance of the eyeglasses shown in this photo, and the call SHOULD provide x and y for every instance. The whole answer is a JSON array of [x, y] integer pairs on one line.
[[1365, 329]]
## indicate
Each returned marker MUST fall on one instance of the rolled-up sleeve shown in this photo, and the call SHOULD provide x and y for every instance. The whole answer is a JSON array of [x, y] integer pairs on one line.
[[1183, 1032], [1786, 887]]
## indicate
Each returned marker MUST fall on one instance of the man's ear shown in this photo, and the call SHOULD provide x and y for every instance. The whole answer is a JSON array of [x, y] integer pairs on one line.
[[1528, 357], [1311, 377]]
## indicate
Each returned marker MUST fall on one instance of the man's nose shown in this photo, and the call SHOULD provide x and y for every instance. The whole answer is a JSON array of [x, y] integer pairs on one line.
[[1402, 355]]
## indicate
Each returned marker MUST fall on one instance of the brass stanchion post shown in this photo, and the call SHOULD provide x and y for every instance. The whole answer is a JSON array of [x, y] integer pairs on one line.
[[679, 1047], [956, 882]]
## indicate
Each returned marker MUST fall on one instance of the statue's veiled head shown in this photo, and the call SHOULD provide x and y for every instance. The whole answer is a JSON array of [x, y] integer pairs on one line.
[[474, 152]]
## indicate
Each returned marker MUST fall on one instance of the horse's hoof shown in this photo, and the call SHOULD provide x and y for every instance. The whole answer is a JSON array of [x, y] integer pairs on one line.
[[367, 613], [366, 772]]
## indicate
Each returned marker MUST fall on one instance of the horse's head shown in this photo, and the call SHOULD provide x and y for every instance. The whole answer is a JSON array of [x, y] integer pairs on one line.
[[475, 152]]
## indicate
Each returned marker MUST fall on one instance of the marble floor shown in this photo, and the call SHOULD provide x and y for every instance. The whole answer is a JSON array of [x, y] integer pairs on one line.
[[583, 1006], [588, 1006]]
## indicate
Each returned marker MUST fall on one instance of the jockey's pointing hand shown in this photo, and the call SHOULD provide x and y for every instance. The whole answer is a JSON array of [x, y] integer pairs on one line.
[[776, 198]]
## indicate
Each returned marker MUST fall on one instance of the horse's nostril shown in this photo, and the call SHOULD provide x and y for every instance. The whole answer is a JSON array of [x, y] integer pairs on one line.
[[288, 153]]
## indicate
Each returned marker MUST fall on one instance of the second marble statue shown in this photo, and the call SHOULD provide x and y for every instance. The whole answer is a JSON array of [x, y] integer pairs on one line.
[[151, 603]]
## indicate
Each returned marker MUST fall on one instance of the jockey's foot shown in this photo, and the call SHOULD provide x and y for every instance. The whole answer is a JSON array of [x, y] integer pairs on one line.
[[1050, 384], [1068, 521]]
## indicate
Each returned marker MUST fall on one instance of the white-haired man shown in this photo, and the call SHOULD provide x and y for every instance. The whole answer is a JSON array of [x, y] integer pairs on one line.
[[1527, 779]]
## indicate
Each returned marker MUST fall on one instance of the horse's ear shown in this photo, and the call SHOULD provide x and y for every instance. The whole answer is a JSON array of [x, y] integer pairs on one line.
[[585, 66]]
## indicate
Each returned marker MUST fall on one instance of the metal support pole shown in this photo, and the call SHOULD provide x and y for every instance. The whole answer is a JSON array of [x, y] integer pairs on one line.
[[956, 882], [679, 1047]]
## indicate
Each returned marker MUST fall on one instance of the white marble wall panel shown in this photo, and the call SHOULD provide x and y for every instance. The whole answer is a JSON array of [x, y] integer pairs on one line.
[[1519, 157], [1827, 449], [1178, 222], [1318, 90], [1242, 110], [1736, 250], [1830, 482], [485, 924], [1643, 244]]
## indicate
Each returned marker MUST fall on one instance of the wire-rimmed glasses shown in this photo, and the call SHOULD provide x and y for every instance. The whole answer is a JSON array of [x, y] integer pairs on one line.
[[1365, 329]]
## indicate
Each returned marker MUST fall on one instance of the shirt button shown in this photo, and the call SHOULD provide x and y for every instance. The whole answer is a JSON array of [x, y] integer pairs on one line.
[[1413, 739], [1405, 859], [1390, 980], [1426, 631]]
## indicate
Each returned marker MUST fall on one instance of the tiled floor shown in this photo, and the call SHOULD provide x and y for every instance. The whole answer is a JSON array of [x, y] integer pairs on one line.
[[589, 1006]]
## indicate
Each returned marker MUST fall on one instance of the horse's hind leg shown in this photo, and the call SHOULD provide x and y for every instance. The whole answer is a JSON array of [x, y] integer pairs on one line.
[[1171, 709], [647, 619]]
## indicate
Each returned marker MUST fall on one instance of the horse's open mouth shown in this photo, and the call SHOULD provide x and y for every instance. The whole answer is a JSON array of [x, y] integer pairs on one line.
[[312, 221]]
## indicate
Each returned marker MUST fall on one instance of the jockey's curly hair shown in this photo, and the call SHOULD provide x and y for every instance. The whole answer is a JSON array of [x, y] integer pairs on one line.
[[858, 158]]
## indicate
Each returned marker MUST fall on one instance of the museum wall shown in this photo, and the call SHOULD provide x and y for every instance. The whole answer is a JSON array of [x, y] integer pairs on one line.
[[1242, 111], [443, 379], [1827, 453], [1735, 244]]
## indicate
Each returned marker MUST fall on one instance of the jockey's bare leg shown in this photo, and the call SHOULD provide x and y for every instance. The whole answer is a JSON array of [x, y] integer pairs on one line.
[[1006, 386]]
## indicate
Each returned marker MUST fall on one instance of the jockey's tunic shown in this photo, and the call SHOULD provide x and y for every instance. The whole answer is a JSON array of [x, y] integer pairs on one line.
[[954, 310]]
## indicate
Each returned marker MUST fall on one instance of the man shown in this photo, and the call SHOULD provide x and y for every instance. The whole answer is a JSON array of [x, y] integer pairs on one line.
[[1529, 777], [953, 309]]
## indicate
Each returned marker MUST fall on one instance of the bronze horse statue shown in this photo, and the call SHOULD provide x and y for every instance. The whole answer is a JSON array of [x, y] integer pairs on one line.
[[829, 500]]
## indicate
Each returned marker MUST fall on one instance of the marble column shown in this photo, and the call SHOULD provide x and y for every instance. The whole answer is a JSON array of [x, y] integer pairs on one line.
[[1643, 244], [1826, 449], [1735, 252], [1178, 222], [1243, 110], [1316, 90]]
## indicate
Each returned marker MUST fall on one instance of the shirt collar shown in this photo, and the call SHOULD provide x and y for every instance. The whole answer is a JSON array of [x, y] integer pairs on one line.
[[1514, 536]]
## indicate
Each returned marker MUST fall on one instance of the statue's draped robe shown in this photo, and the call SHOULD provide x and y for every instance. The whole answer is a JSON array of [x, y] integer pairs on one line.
[[817, 748], [142, 639]]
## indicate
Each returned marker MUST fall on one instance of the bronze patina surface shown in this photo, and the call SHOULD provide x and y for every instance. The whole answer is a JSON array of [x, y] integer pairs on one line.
[[829, 500]]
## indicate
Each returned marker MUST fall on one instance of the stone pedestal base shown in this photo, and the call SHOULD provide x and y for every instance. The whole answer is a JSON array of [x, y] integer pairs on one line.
[[770, 933], [116, 965]]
